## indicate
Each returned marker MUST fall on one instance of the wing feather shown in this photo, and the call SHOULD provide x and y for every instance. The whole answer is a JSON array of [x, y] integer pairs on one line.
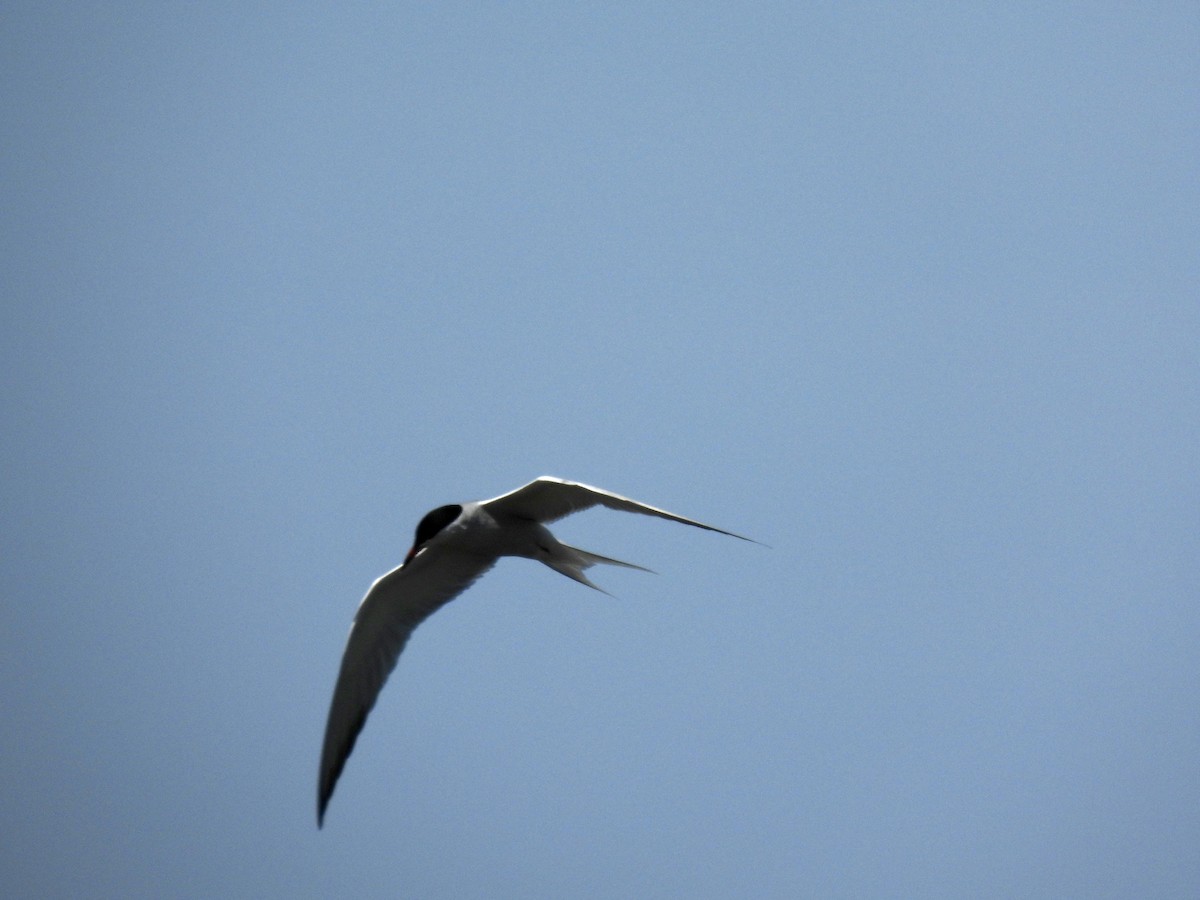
[[394, 606], [548, 499]]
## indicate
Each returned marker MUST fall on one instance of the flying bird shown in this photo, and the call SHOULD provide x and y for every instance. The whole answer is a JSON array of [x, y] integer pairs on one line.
[[454, 546]]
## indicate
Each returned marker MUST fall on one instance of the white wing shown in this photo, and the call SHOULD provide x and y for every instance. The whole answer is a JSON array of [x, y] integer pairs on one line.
[[395, 605], [547, 499]]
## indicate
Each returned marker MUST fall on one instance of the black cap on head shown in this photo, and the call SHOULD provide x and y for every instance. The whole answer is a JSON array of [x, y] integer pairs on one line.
[[432, 524]]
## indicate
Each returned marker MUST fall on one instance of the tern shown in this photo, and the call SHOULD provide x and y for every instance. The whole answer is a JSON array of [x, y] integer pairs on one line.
[[454, 546]]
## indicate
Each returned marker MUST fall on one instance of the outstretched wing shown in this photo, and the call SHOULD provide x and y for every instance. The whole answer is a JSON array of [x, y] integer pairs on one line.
[[395, 605], [547, 499]]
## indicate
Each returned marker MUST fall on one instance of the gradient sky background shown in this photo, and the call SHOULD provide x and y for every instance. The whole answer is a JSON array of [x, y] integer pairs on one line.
[[908, 292]]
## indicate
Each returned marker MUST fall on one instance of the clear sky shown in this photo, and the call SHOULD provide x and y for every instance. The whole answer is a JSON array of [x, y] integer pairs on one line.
[[906, 291]]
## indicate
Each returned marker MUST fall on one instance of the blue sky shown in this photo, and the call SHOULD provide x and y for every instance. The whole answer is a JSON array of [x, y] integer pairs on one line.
[[908, 292]]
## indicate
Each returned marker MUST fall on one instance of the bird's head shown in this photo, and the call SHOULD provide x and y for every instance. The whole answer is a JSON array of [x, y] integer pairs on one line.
[[429, 527]]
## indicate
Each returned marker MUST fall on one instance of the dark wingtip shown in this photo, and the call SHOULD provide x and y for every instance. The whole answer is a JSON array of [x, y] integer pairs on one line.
[[740, 537], [326, 786], [326, 793], [322, 804]]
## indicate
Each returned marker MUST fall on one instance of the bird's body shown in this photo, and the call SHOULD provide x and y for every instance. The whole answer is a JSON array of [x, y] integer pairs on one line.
[[454, 546]]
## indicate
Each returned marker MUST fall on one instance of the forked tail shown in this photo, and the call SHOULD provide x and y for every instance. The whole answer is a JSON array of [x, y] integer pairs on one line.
[[571, 561]]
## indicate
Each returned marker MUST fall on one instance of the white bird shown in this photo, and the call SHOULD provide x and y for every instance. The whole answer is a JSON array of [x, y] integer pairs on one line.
[[454, 545]]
